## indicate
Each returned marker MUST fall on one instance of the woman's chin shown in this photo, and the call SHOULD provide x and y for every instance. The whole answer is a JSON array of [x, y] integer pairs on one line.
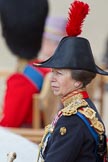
[[56, 93]]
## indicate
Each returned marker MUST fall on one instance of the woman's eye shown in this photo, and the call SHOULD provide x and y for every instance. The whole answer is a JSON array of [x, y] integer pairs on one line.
[[59, 73]]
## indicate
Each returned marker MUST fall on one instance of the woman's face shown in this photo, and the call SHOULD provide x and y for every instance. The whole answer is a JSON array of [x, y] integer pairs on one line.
[[62, 82]]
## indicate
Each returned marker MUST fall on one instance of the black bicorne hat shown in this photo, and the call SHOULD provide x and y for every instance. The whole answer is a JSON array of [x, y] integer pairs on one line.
[[73, 52]]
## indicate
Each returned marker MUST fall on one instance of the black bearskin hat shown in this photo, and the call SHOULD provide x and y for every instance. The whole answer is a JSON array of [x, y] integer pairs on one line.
[[22, 24], [74, 52]]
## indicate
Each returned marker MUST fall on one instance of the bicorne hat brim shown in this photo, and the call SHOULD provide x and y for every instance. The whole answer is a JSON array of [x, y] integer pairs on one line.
[[73, 53]]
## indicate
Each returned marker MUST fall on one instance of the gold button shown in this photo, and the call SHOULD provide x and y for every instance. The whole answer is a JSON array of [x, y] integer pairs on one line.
[[63, 130]]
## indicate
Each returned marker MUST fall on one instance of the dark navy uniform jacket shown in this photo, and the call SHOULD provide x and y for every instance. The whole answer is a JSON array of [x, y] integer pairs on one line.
[[76, 145]]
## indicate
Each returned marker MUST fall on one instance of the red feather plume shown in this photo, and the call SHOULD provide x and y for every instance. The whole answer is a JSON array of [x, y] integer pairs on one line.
[[77, 14]]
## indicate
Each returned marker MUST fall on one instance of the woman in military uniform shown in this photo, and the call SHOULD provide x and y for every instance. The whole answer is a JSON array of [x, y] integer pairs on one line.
[[77, 133]]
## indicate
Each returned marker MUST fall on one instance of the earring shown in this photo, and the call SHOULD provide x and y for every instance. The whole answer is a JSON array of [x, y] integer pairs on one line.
[[77, 84]]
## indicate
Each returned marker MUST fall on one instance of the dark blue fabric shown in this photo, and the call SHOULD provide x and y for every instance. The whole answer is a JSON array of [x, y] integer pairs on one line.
[[76, 145], [91, 129], [34, 75]]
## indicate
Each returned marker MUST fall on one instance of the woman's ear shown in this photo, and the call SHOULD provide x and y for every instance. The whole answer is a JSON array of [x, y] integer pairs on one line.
[[78, 84]]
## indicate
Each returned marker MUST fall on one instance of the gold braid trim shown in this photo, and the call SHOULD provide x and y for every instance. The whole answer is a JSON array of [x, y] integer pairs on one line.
[[48, 129], [90, 114], [73, 104]]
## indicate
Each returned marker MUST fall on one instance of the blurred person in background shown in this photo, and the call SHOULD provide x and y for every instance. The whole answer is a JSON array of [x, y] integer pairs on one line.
[[22, 25], [105, 56], [54, 32]]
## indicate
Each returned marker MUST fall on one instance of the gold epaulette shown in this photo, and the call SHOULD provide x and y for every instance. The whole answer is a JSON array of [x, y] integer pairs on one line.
[[74, 105], [90, 114]]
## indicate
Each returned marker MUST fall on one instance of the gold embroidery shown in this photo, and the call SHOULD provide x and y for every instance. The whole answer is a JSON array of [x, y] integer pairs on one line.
[[48, 129], [88, 112], [72, 104], [63, 130], [71, 99], [91, 115]]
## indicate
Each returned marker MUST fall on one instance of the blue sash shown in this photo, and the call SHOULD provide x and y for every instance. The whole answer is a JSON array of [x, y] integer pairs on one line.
[[93, 133], [91, 129], [34, 75]]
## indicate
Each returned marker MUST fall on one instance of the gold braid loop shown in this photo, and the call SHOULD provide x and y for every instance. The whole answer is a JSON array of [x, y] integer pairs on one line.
[[90, 114]]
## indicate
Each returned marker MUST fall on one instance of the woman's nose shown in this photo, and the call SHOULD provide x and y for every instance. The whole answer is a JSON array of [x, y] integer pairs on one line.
[[53, 76]]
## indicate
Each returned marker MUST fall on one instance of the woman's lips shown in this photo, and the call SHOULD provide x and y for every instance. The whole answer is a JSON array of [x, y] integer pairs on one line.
[[54, 88]]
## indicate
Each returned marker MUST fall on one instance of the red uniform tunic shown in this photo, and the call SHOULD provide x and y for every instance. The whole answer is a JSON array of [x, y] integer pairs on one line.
[[17, 108]]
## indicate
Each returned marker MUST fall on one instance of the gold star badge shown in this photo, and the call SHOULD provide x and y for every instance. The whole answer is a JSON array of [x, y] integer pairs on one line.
[[63, 130]]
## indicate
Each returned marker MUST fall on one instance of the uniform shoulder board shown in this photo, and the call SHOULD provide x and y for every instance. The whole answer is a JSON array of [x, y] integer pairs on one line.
[[90, 114]]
